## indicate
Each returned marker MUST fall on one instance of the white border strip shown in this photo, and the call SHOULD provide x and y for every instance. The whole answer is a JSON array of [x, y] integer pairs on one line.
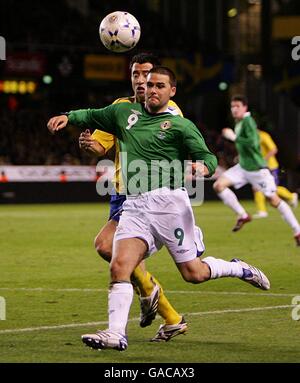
[[72, 325]]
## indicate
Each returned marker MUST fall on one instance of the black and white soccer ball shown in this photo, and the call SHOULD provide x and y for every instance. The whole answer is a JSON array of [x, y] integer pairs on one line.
[[119, 31]]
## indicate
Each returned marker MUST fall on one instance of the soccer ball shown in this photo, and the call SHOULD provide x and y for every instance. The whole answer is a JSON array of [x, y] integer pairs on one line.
[[119, 31]]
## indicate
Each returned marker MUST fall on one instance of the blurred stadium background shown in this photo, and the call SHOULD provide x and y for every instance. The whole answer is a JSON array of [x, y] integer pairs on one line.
[[55, 62]]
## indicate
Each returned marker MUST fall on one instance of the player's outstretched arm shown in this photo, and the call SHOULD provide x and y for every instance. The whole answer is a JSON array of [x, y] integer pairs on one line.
[[57, 123], [229, 134]]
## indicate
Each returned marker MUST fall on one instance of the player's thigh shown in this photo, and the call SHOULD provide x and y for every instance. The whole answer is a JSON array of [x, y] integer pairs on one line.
[[221, 183], [127, 254], [104, 238], [234, 176]]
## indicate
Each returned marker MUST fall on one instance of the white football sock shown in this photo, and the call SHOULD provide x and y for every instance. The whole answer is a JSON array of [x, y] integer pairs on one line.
[[119, 301], [289, 216], [230, 199], [220, 268]]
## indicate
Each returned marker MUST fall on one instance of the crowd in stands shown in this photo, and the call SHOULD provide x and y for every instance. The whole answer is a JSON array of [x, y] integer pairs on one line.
[[25, 140]]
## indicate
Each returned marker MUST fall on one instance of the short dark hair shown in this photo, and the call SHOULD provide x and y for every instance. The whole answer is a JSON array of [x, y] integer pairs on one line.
[[240, 97], [142, 58], [167, 71]]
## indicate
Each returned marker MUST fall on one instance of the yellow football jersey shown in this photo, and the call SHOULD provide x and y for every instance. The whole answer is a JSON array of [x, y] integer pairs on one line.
[[108, 141], [267, 144]]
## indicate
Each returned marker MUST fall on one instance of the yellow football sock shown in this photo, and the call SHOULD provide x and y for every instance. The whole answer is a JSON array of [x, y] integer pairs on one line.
[[165, 309], [260, 201], [144, 282], [284, 193]]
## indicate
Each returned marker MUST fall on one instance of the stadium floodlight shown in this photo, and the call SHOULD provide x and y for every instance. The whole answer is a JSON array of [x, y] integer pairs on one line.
[[232, 12], [47, 79]]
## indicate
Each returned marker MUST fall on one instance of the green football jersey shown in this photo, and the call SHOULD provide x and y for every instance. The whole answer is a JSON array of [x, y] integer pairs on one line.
[[248, 144], [153, 147]]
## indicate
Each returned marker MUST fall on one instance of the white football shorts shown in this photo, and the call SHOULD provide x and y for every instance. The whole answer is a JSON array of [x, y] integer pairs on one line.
[[162, 217], [262, 180]]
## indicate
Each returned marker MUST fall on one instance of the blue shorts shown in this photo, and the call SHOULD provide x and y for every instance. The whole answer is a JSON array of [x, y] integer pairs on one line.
[[275, 174], [116, 206]]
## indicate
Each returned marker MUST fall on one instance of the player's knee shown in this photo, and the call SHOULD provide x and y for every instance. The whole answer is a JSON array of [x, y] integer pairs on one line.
[[274, 200], [119, 271], [194, 277], [103, 247], [115, 269], [190, 279], [218, 186]]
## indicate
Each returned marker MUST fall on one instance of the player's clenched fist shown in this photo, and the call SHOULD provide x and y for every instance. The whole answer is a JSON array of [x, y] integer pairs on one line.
[[86, 142], [57, 123]]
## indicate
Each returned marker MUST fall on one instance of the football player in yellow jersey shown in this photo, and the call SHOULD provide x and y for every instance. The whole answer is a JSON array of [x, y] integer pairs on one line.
[[151, 294], [269, 151]]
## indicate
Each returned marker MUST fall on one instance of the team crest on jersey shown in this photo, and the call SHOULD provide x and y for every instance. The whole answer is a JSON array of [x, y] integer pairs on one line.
[[161, 135], [166, 125]]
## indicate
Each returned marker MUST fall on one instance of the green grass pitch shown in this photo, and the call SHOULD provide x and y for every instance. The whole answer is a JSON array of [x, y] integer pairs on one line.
[[55, 288]]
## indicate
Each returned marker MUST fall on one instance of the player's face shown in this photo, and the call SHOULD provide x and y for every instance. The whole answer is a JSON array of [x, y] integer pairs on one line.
[[139, 78], [238, 109], [158, 92]]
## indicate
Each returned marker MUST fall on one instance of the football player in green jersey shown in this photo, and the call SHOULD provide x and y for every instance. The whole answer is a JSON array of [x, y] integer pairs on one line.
[[157, 210], [151, 294], [252, 168]]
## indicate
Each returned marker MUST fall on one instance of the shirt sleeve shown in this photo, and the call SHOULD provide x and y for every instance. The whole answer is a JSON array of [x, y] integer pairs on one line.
[[197, 148], [101, 119], [106, 140]]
